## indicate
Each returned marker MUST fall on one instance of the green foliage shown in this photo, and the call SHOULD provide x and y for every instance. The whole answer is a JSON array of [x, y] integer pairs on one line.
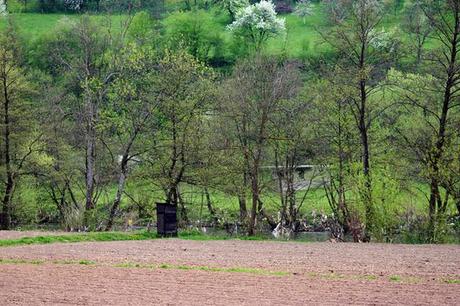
[[141, 28], [86, 237], [151, 79], [198, 32], [233, 6]]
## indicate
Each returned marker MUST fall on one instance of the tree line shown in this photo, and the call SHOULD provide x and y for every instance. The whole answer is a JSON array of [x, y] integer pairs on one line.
[[92, 107]]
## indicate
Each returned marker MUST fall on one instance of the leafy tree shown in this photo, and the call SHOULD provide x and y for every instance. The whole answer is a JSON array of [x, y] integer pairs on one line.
[[250, 100], [365, 52], [431, 100], [257, 23], [194, 31], [337, 148], [233, 6], [84, 55], [182, 86], [445, 17], [418, 25], [142, 28], [130, 114], [57, 168], [304, 9], [19, 139]]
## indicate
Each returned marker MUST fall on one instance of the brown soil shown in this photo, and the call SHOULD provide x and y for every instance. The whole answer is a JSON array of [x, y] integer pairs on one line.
[[319, 273]]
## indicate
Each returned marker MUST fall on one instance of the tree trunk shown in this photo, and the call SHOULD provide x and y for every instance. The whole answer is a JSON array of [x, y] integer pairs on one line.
[[121, 179], [367, 195], [211, 210], [457, 203], [242, 204], [290, 188], [255, 199], [279, 175], [363, 130], [90, 155], [181, 203], [9, 183], [341, 201], [120, 190], [6, 207], [435, 203], [242, 199]]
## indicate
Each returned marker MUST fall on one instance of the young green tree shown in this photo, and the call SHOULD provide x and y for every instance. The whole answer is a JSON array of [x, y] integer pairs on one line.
[[84, 50], [430, 99], [337, 149], [19, 139], [194, 31], [129, 116], [365, 53], [419, 27], [250, 98], [182, 86], [60, 178]]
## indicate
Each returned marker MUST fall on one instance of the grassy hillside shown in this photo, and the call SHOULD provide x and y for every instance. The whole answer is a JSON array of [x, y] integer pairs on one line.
[[300, 40], [33, 25]]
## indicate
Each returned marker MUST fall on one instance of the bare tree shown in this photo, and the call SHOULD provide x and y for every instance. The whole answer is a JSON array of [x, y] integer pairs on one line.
[[292, 145], [419, 28]]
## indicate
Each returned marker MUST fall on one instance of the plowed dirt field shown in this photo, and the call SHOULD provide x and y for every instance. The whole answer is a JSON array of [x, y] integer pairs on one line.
[[232, 272]]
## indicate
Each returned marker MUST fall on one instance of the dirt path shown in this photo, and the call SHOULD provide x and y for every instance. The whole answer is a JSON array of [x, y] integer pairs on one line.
[[168, 272]]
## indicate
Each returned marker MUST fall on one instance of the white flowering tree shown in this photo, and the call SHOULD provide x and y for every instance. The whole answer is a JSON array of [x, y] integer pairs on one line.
[[304, 9], [258, 22], [3, 10]]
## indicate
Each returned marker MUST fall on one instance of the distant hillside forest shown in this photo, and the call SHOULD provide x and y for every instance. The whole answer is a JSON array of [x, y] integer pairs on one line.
[[337, 115]]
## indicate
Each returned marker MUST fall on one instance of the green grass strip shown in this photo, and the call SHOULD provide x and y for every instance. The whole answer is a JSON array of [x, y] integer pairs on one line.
[[131, 265], [451, 280], [325, 276], [80, 237], [202, 268], [123, 236], [219, 269]]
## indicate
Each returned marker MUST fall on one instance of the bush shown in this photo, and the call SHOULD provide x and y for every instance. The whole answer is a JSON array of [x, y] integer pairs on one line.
[[196, 32], [283, 8]]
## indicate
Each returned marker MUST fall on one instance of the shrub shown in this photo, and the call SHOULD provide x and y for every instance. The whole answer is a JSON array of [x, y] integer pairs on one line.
[[283, 8]]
